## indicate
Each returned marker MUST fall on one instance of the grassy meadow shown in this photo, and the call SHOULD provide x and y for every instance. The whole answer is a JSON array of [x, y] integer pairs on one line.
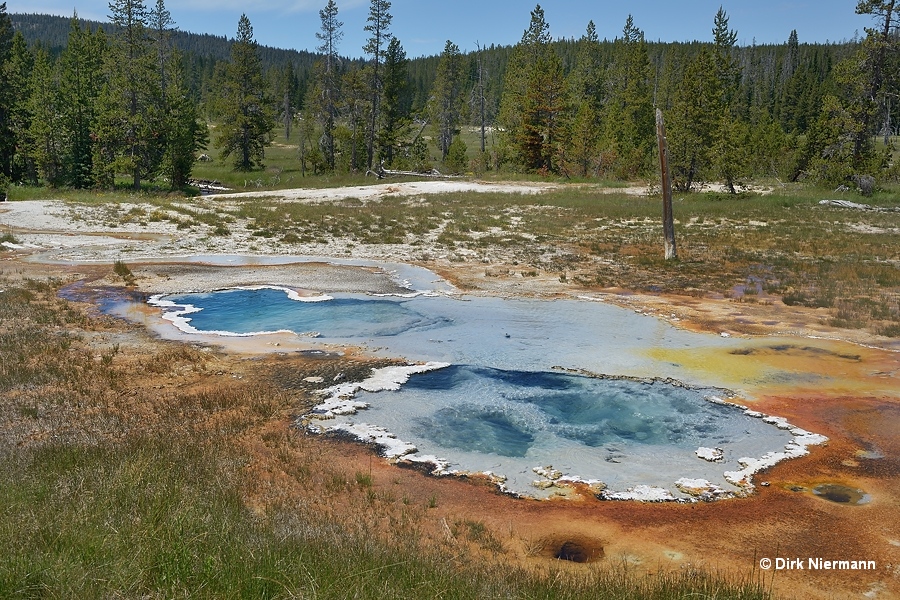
[[133, 468]]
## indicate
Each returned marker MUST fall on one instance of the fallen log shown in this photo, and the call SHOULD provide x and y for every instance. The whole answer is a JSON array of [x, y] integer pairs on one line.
[[208, 185], [856, 206], [381, 173]]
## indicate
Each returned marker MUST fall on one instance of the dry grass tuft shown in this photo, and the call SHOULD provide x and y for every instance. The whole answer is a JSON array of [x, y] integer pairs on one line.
[[150, 469]]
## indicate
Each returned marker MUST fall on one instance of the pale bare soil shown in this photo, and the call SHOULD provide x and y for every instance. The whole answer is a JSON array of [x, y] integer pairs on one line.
[[783, 519], [59, 231]]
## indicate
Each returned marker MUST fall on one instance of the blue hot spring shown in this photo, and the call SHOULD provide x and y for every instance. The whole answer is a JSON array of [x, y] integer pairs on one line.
[[621, 431], [524, 389], [257, 311]]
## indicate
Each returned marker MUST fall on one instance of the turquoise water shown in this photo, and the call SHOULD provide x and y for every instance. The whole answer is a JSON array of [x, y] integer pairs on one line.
[[524, 388], [248, 311], [623, 432], [515, 406]]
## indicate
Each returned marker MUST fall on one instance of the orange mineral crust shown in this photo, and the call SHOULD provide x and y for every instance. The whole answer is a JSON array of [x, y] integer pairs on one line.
[[841, 502]]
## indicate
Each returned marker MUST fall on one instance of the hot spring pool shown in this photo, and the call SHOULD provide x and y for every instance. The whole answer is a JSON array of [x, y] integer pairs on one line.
[[533, 391], [261, 310]]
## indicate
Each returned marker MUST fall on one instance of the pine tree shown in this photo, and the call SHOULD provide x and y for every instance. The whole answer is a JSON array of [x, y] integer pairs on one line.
[[457, 157], [180, 130], [583, 153], [729, 150], [881, 44], [379, 23], [329, 79], [394, 104], [628, 109], [185, 132], [585, 84], [839, 145], [801, 99], [534, 97], [356, 106], [586, 77], [46, 134], [544, 109], [767, 146], [18, 75], [245, 110], [479, 105], [105, 143], [536, 39], [447, 102], [729, 159], [80, 83], [309, 152], [130, 120], [830, 144], [9, 96], [792, 58], [330, 36], [692, 121], [161, 23], [727, 70], [286, 86]]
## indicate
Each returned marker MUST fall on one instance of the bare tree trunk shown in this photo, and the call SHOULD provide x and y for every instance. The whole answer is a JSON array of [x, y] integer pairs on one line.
[[668, 221], [481, 94], [353, 135], [288, 117], [421, 129], [302, 155]]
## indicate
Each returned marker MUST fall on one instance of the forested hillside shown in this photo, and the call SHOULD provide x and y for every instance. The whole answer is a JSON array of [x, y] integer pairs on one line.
[[578, 107], [763, 66]]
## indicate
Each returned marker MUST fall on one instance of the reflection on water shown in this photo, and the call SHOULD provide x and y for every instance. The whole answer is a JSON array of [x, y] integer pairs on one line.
[[475, 428], [595, 412]]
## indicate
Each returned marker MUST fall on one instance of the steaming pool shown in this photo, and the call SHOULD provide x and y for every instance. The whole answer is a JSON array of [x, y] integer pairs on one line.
[[535, 394]]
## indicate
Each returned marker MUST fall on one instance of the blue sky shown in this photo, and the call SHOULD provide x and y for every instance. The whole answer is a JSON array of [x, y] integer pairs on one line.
[[423, 26]]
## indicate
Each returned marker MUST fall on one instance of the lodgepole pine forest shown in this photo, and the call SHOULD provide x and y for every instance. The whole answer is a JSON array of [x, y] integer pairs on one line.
[[135, 102]]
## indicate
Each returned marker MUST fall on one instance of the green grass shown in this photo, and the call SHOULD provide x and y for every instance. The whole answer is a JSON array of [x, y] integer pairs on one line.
[[149, 519], [282, 169], [840, 259], [282, 165], [109, 489], [25, 192], [122, 270], [843, 260]]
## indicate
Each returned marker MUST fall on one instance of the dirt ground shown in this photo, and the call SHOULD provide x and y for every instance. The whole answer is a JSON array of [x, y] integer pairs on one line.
[[783, 519]]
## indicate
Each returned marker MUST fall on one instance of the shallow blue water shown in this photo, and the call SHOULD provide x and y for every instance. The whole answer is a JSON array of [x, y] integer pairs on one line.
[[512, 399], [246, 311], [508, 408], [621, 431]]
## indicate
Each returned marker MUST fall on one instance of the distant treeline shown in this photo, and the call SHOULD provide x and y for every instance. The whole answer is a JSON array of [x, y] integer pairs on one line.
[[765, 72], [52, 32], [579, 107]]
